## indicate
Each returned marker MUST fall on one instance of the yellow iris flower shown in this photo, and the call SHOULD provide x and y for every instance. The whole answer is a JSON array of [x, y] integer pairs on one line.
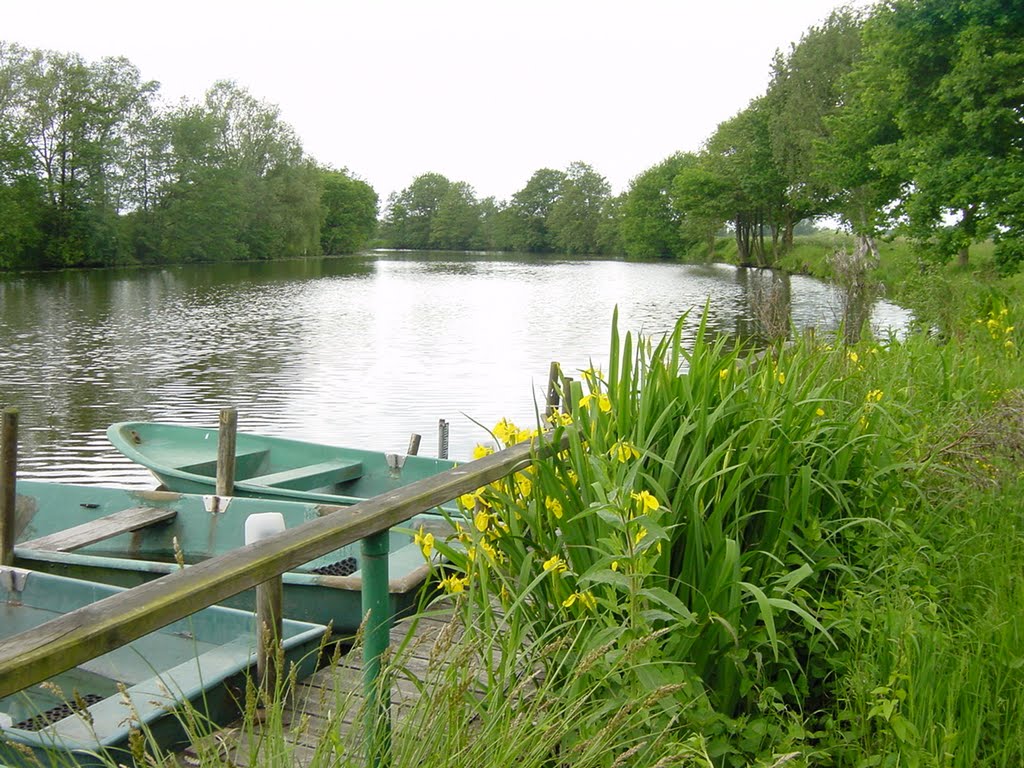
[[425, 541], [556, 564], [554, 506], [646, 501], [586, 599], [623, 451]]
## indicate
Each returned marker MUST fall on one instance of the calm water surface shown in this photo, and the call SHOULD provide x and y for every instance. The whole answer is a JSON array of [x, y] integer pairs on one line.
[[359, 351]]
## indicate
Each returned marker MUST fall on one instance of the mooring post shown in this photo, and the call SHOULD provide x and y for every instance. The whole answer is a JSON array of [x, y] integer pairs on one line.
[[442, 439], [8, 480], [269, 602], [227, 431], [376, 636], [554, 372], [414, 444]]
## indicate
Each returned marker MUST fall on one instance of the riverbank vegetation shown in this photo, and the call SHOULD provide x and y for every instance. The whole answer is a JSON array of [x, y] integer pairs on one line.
[[811, 556]]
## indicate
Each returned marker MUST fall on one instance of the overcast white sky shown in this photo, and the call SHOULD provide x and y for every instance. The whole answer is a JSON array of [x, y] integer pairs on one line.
[[482, 92]]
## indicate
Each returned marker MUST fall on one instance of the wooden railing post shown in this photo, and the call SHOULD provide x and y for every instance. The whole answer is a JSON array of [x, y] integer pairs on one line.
[[554, 373], [227, 431], [8, 480], [269, 604], [567, 404]]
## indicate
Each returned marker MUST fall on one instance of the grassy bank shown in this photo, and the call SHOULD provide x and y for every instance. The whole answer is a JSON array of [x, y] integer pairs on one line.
[[948, 296]]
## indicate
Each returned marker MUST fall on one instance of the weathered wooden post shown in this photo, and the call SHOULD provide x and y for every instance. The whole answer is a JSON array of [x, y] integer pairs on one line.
[[567, 404], [442, 439], [8, 479], [376, 636], [414, 444], [554, 372], [227, 431], [269, 600]]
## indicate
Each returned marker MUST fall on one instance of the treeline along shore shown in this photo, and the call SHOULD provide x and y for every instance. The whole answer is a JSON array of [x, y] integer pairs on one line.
[[903, 118]]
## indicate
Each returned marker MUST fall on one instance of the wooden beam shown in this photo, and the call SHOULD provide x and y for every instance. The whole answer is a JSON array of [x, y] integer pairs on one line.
[[227, 436], [8, 482], [125, 521], [83, 634], [311, 476]]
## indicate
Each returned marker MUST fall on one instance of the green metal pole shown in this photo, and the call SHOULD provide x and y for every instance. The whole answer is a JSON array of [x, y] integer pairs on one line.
[[376, 603]]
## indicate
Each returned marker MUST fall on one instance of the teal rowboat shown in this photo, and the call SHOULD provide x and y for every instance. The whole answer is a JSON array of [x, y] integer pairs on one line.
[[185, 459], [126, 537], [90, 710]]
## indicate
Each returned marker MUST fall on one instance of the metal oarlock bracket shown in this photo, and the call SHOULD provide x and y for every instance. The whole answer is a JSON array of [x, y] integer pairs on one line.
[[216, 504], [13, 579]]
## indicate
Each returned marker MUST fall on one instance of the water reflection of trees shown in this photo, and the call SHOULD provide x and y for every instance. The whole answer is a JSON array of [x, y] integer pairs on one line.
[[764, 311]]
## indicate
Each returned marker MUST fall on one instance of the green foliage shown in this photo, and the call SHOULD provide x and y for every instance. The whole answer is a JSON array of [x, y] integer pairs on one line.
[[706, 504], [411, 212], [575, 216], [93, 173], [815, 531], [462, 699], [456, 220], [651, 224], [529, 210], [806, 89], [349, 210]]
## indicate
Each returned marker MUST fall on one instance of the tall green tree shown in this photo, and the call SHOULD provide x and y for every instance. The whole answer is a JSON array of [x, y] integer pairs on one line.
[[457, 219], [21, 195], [410, 213], [527, 223], [744, 183], [491, 234], [349, 210], [576, 215], [805, 90], [948, 76], [651, 222], [237, 185], [201, 207], [609, 240], [704, 201], [76, 120]]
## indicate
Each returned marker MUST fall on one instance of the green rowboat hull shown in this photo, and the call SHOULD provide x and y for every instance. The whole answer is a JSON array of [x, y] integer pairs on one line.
[[325, 590], [184, 459], [202, 659]]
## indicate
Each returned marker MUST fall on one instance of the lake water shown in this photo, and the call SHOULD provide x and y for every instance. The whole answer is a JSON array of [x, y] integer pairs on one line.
[[356, 351]]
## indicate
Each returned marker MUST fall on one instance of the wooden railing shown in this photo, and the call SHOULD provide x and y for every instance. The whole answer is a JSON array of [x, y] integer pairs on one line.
[[83, 634]]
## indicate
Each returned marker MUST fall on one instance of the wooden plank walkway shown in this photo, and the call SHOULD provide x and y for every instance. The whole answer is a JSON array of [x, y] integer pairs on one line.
[[328, 705]]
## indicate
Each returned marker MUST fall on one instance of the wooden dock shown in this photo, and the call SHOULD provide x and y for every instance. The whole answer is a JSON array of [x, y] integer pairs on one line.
[[325, 711]]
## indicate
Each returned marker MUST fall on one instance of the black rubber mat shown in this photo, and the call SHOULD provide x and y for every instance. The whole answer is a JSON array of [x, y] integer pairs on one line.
[[345, 567], [52, 715]]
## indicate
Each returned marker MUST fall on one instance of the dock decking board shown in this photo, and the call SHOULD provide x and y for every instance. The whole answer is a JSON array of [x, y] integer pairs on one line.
[[313, 699]]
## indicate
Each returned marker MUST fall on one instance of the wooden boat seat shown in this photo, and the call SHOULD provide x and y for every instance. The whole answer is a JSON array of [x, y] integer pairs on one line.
[[310, 476], [125, 521], [246, 461]]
